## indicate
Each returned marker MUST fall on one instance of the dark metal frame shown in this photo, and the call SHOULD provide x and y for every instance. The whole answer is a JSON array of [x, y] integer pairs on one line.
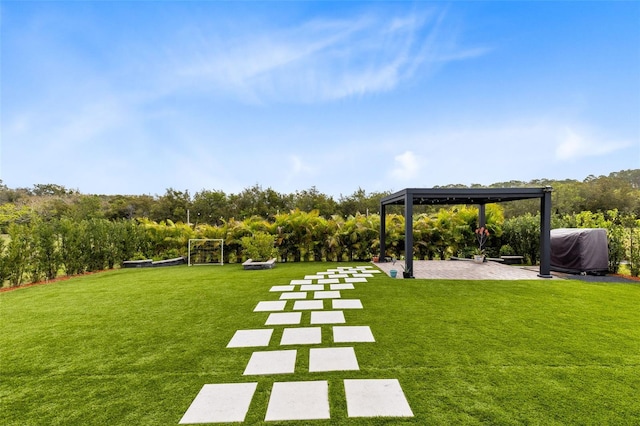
[[480, 196]]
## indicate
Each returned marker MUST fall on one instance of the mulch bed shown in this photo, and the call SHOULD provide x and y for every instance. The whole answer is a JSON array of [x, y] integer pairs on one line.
[[55, 280]]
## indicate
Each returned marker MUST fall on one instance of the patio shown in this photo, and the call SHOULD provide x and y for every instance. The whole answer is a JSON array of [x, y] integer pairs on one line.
[[463, 270]]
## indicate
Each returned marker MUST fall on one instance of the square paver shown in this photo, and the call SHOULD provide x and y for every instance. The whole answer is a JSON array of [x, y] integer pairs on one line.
[[376, 398], [347, 286], [299, 401], [355, 280], [346, 304], [296, 282], [327, 317], [220, 403], [250, 338], [283, 288], [284, 318], [294, 295], [270, 305], [332, 294], [332, 359], [301, 336], [329, 281], [352, 333], [312, 287], [301, 305], [271, 362]]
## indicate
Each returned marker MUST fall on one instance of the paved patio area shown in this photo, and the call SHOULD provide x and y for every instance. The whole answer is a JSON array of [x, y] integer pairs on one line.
[[464, 270]]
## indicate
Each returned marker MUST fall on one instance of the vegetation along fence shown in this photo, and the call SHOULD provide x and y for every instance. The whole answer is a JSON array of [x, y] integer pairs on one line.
[[44, 248]]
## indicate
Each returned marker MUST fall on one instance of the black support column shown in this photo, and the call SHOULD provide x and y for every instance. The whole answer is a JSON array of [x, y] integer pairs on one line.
[[408, 232], [482, 216], [545, 234], [383, 227]]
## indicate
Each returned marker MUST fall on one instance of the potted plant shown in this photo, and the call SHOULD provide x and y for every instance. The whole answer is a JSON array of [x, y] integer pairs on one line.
[[478, 255], [406, 272], [482, 235]]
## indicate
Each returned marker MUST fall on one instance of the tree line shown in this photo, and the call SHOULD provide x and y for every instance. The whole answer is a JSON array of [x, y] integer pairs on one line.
[[50, 230], [619, 190], [43, 249]]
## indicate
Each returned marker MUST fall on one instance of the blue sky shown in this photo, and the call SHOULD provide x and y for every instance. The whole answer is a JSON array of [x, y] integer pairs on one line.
[[117, 97]]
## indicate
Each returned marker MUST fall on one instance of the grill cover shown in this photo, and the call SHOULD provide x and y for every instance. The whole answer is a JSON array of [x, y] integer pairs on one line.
[[579, 250]]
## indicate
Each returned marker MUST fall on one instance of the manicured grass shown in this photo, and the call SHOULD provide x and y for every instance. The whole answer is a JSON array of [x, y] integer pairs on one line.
[[134, 347]]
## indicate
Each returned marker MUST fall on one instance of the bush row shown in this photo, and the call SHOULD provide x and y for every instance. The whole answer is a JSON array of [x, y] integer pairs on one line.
[[41, 250]]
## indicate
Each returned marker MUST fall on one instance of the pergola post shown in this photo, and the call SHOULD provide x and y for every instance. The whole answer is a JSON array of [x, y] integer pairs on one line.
[[383, 226], [545, 234], [408, 232], [482, 216]]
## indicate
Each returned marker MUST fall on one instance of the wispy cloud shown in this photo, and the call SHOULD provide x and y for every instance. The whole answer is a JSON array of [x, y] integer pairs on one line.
[[574, 145], [322, 59]]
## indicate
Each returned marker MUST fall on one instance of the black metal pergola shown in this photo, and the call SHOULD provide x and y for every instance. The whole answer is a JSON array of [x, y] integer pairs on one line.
[[480, 196]]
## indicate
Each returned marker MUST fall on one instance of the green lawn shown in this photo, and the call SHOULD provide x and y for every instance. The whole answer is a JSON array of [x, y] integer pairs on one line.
[[134, 347]]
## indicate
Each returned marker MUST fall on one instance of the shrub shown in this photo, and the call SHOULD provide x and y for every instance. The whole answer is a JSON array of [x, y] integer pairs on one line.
[[506, 250], [259, 247]]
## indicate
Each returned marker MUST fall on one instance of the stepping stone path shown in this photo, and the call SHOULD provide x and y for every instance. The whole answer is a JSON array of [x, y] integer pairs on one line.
[[318, 300]]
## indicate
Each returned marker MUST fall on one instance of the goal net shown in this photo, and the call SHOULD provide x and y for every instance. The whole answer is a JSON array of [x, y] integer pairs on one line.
[[206, 251]]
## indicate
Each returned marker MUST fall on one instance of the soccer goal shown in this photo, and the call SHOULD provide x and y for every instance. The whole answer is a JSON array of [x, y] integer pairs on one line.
[[205, 251]]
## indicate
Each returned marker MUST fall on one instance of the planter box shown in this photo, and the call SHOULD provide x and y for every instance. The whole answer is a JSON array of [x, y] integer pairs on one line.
[[251, 264], [170, 262], [512, 260], [147, 263]]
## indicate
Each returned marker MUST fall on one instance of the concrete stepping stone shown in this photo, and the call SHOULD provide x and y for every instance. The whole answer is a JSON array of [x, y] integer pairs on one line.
[[327, 317], [376, 398], [283, 288], [343, 286], [250, 338], [312, 287], [301, 305], [296, 282], [355, 280], [270, 305], [220, 403], [301, 336], [271, 362], [363, 275], [346, 304], [352, 333], [329, 281], [284, 318], [332, 359], [332, 294], [313, 277], [293, 295], [299, 401]]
